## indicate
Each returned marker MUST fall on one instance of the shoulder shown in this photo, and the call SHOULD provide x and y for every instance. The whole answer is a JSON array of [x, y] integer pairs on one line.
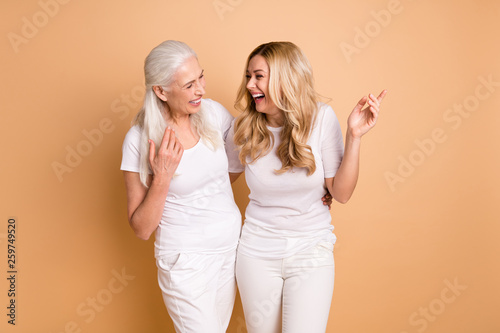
[[134, 131], [216, 111], [213, 105], [325, 114], [133, 136], [324, 108]]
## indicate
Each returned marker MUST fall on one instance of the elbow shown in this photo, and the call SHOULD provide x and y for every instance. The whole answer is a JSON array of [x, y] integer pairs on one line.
[[342, 194], [141, 233], [343, 199]]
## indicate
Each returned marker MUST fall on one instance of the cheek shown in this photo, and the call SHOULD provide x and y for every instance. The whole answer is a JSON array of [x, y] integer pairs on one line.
[[186, 96], [264, 87]]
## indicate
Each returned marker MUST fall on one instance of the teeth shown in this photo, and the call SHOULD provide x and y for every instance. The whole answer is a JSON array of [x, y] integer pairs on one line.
[[196, 101], [258, 95]]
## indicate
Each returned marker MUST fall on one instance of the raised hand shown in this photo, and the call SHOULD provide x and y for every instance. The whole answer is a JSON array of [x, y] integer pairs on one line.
[[165, 162], [361, 120]]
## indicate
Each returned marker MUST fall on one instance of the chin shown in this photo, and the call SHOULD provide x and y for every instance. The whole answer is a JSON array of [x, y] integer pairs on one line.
[[194, 109]]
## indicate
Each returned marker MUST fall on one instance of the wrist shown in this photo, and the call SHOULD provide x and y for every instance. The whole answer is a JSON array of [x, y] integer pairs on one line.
[[352, 135], [161, 181]]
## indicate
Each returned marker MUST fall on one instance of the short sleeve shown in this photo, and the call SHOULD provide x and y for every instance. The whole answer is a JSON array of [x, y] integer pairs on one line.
[[224, 118], [234, 164], [130, 150], [332, 143]]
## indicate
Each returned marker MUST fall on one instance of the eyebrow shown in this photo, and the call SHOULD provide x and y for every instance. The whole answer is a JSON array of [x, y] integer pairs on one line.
[[188, 83]]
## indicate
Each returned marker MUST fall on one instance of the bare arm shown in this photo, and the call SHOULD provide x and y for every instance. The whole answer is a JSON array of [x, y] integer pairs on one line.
[[145, 205], [359, 123], [343, 184]]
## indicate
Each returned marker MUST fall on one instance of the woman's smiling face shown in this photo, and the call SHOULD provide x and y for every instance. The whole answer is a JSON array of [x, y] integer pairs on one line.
[[184, 95], [258, 86]]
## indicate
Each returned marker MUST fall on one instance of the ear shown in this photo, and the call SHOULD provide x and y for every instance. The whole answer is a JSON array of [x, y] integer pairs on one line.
[[160, 93]]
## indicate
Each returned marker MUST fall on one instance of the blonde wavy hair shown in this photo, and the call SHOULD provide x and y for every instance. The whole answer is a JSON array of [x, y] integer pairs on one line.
[[160, 67], [291, 88]]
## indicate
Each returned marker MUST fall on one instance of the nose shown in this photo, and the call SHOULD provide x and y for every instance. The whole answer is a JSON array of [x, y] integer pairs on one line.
[[200, 89], [250, 83]]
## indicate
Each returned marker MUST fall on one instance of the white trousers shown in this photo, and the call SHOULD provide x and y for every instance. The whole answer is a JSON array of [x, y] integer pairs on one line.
[[198, 290], [287, 295]]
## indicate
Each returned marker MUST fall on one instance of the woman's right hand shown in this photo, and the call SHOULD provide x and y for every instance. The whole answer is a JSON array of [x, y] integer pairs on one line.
[[165, 162], [145, 205]]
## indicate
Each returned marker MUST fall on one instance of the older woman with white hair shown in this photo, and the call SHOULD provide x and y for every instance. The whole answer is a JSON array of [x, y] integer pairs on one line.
[[178, 186]]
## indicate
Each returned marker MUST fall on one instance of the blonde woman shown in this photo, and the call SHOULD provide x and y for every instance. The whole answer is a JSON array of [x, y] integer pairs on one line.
[[290, 147], [176, 177]]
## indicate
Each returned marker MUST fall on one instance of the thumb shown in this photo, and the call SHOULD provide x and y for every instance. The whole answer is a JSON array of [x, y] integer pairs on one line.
[[361, 103]]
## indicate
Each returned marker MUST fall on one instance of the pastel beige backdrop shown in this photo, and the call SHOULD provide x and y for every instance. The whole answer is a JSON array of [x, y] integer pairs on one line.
[[417, 244]]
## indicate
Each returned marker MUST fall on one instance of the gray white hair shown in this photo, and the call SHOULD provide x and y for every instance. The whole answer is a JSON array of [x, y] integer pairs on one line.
[[160, 67]]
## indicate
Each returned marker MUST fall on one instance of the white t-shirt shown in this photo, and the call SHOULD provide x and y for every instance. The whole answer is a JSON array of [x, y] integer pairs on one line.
[[285, 214], [200, 214]]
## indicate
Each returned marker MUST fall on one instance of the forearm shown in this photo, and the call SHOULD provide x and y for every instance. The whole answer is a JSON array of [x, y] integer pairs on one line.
[[147, 216], [346, 177], [360, 121]]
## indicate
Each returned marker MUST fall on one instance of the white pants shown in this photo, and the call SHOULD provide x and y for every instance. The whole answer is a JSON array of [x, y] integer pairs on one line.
[[198, 290], [287, 295]]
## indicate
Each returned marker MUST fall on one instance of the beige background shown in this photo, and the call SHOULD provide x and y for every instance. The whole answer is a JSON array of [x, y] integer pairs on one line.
[[417, 244]]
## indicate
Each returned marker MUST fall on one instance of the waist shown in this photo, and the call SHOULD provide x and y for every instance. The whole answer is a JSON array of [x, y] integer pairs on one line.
[[267, 243]]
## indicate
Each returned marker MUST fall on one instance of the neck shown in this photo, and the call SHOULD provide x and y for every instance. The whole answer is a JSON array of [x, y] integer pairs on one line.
[[182, 122], [276, 120], [177, 121]]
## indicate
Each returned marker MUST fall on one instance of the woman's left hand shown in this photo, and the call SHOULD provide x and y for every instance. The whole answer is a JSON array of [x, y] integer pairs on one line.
[[361, 120]]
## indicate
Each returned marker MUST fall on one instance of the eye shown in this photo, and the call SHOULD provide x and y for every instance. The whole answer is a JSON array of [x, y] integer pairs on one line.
[[259, 76], [189, 86], [247, 76], [202, 76]]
